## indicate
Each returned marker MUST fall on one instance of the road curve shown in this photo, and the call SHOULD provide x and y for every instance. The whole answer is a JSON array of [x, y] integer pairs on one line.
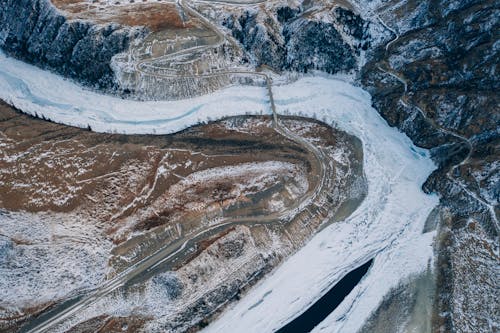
[[181, 247]]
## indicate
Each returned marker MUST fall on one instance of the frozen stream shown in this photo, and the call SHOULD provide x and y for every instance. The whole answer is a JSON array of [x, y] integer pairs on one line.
[[387, 225]]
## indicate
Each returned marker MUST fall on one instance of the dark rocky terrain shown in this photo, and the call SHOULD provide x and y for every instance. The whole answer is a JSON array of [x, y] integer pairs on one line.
[[433, 74], [36, 32], [448, 56], [293, 41]]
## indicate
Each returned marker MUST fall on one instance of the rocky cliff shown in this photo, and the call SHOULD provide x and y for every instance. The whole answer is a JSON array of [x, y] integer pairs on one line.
[[284, 38], [294, 39], [36, 32]]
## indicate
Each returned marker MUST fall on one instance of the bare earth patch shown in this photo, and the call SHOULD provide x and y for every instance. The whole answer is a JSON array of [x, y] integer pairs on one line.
[[154, 15]]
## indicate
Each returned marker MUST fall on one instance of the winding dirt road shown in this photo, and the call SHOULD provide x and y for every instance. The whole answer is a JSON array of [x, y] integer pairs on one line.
[[167, 256]]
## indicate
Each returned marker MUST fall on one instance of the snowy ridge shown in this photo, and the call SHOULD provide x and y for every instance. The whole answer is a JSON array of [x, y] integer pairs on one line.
[[388, 223]]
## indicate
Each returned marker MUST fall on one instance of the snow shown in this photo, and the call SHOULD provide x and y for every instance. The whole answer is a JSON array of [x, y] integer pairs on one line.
[[50, 245], [36, 91], [387, 225]]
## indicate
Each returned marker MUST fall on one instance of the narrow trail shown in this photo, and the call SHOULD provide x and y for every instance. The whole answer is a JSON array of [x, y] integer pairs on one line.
[[179, 248], [404, 100]]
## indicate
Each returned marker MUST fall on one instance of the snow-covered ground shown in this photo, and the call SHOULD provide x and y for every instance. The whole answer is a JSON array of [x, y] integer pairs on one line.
[[57, 255], [388, 224]]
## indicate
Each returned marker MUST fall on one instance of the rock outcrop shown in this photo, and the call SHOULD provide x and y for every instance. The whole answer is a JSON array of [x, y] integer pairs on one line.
[[290, 39], [448, 62], [36, 32], [294, 41]]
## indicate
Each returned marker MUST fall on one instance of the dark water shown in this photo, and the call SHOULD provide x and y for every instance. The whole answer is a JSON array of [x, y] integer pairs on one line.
[[326, 304]]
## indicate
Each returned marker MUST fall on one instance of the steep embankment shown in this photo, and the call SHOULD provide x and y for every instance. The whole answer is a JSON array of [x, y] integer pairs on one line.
[[447, 62], [36, 32], [299, 38]]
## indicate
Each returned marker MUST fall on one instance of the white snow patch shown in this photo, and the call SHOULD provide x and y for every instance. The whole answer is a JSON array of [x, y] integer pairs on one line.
[[57, 256]]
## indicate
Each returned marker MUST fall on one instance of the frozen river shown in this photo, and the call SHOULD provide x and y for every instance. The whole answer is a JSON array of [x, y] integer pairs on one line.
[[388, 224]]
